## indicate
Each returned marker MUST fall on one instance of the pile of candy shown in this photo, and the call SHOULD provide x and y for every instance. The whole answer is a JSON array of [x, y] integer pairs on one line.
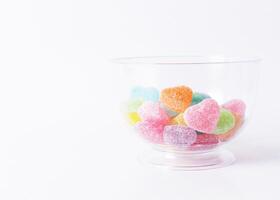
[[180, 117]]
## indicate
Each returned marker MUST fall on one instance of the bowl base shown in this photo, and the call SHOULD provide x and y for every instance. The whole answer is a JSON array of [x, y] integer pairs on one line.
[[200, 160]]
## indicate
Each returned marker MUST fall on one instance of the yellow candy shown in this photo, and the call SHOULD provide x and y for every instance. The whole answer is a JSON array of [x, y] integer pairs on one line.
[[133, 118], [178, 120]]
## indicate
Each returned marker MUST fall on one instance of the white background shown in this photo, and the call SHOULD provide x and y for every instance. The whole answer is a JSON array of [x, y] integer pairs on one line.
[[60, 132]]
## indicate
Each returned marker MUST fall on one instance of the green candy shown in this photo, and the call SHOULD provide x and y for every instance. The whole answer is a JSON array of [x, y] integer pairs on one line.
[[225, 123], [198, 97], [133, 105]]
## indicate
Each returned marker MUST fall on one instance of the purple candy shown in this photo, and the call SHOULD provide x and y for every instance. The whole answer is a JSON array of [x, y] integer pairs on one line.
[[179, 135]]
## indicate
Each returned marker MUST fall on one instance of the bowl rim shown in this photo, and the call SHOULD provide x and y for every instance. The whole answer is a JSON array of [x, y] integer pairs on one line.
[[187, 59]]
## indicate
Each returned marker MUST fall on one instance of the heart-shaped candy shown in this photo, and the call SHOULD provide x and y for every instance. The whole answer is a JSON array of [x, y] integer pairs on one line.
[[198, 97], [152, 111], [232, 132], [203, 116], [225, 123], [145, 94], [236, 106], [150, 130], [177, 98]]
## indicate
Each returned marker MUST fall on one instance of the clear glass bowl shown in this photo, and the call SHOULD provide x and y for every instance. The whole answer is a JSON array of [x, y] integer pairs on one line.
[[188, 107]]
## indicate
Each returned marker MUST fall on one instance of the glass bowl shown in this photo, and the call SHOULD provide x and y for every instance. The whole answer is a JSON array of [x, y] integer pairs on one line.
[[187, 107]]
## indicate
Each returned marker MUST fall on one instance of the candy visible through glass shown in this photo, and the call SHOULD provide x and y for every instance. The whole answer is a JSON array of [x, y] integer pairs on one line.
[[182, 118]]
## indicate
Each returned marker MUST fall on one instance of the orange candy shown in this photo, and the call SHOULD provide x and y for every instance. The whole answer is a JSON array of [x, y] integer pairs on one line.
[[177, 99], [238, 123]]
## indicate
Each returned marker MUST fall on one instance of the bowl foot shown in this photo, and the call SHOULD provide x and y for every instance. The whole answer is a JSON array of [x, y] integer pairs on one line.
[[200, 160]]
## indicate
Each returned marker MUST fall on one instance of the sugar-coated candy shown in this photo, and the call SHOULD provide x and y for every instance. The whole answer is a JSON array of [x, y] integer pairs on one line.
[[176, 98], [235, 106], [152, 111], [145, 93], [198, 97], [178, 120], [133, 105], [225, 123], [179, 135], [206, 139], [231, 133], [183, 119], [151, 131], [133, 118], [168, 111], [203, 116]]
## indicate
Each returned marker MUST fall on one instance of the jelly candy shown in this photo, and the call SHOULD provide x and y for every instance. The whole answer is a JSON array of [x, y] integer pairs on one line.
[[181, 118], [178, 120], [236, 106], [151, 131], [169, 112], [206, 139], [153, 111], [177, 98], [133, 118], [133, 105], [145, 93], [204, 116], [198, 97], [178, 135], [231, 133], [225, 123]]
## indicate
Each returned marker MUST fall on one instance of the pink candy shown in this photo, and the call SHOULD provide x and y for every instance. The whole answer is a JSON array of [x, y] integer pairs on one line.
[[236, 106], [204, 116], [206, 139], [179, 135], [154, 118], [151, 111], [151, 130]]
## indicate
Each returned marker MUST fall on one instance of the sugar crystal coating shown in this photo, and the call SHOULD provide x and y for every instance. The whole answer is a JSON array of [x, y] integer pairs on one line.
[[204, 116], [225, 123], [152, 111], [236, 106], [151, 131], [231, 133], [168, 111], [145, 93], [178, 135], [183, 119], [176, 98], [206, 139], [133, 118], [178, 120], [198, 97]]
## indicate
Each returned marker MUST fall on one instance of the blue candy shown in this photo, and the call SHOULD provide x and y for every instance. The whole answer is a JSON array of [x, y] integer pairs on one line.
[[145, 94]]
